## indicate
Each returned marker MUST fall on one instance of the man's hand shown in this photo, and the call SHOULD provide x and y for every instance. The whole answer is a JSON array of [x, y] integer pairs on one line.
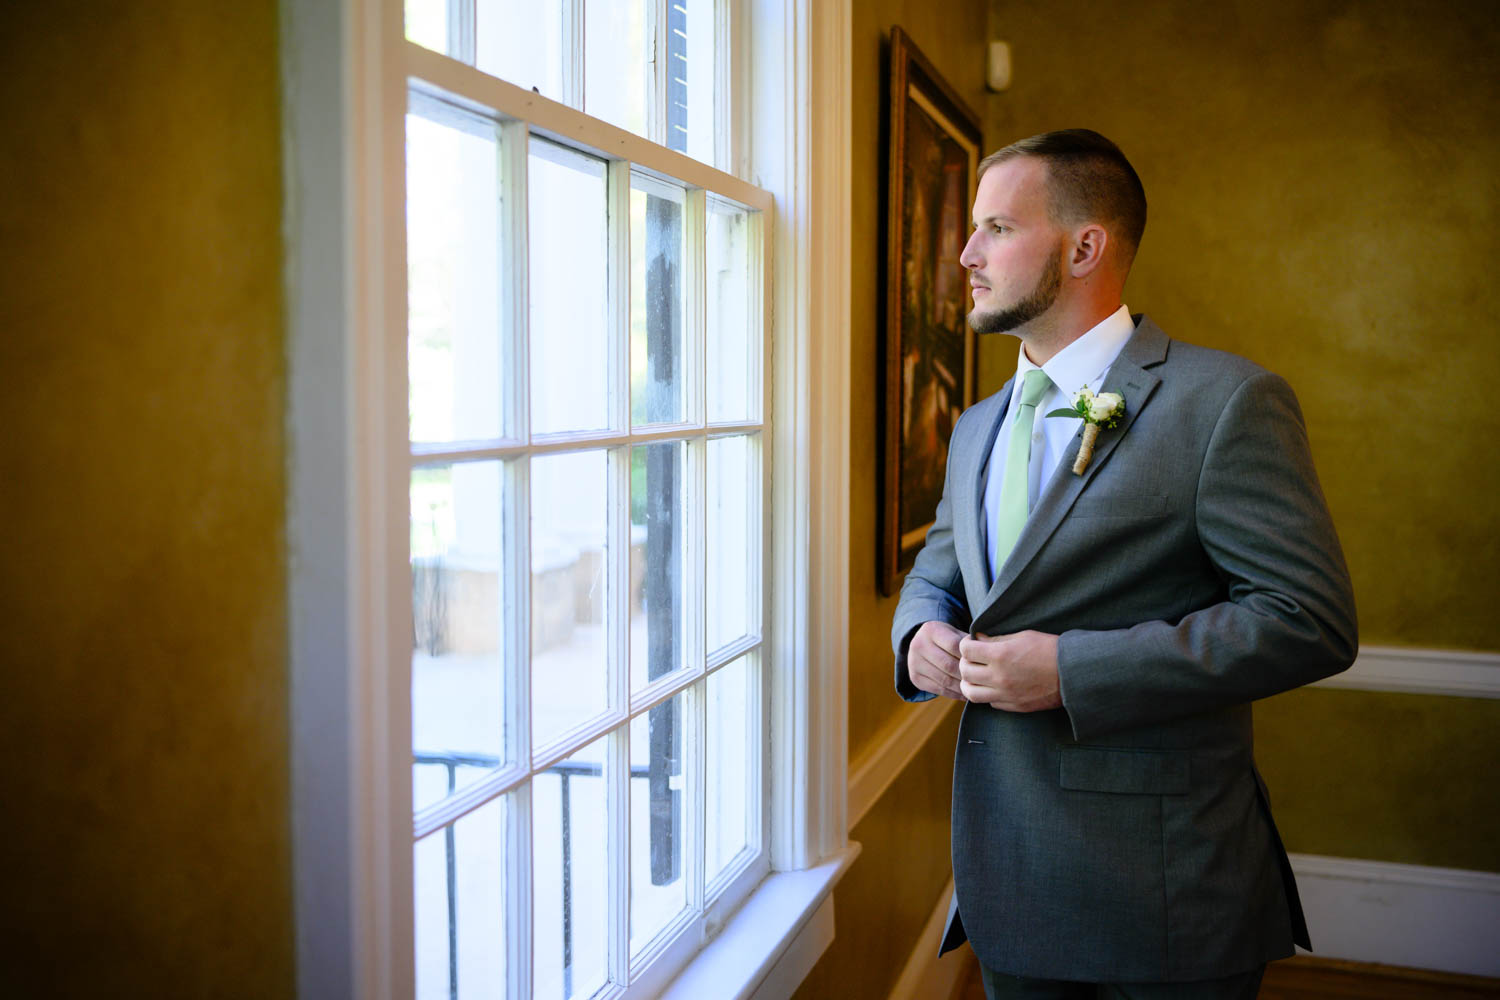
[[1014, 673], [932, 659]]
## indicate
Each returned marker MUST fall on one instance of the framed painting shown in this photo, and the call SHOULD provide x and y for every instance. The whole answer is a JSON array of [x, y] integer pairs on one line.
[[928, 379]]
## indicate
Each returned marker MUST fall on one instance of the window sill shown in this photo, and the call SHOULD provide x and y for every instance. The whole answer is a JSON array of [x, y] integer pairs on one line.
[[772, 942]]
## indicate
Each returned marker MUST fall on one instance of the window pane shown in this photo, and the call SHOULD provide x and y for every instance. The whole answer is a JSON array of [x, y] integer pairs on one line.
[[733, 587], [427, 23], [658, 887], [569, 280], [457, 689], [690, 88], [458, 876], [733, 346], [658, 301], [657, 537], [729, 775], [570, 817], [569, 591], [522, 42], [453, 278], [615, 67]]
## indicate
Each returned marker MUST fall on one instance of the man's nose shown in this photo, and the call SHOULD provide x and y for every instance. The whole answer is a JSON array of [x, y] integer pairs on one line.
[[970, 257]]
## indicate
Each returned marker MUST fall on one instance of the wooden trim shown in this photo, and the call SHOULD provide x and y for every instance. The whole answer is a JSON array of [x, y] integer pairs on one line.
[[800, 151], [926, 975], [317, 82], [878, 766]]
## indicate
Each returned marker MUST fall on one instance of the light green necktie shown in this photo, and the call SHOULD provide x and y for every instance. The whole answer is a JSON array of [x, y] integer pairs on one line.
[[1010, 517]]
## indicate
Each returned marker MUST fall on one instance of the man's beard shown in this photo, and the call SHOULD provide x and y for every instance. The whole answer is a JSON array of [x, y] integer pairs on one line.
[[1023, 312]]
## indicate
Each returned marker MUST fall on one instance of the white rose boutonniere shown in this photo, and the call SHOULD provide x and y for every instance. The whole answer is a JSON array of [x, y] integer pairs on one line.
[[1098, 411]]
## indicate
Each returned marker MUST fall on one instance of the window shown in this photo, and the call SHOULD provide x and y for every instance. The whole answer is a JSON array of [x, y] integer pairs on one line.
[[408, 412], [587, 447]]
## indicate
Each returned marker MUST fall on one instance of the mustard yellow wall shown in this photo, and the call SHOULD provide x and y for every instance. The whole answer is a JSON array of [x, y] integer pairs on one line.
[[1322, 180], [144, 717], [1332, 758]]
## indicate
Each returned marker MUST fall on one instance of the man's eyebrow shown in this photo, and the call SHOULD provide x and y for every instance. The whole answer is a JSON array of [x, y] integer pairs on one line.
[[993, 218]]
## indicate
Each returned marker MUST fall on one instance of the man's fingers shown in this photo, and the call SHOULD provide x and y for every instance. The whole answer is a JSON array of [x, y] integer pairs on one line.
[[979, 693], [976, 647], [944, 683], [941, 659], [943, 636], [976, 672], [937, 683], [945, 661], [947, 639]]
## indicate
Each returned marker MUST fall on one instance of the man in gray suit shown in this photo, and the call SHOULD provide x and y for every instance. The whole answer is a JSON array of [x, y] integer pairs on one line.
[[1109, 628]]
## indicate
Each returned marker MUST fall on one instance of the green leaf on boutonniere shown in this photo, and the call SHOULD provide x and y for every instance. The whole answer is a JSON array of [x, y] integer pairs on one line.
[[1065, 412]]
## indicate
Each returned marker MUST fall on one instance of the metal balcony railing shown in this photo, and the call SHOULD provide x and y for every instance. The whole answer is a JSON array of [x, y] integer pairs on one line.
[[566, 772]]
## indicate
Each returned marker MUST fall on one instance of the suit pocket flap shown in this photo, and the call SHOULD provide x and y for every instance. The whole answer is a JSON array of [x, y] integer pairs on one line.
[[1127, 772], [1120, 505]]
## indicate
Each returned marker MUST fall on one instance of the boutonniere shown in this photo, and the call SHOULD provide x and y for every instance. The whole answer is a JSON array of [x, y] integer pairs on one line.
[[1098, 411]]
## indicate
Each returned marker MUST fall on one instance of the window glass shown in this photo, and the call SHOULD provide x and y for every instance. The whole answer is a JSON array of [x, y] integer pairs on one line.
[[658, 302], [569, 592], [732, 585], [453, 277], [457, 683], [522, 41], [732, 344], [570, 824], [658, 788], [658, 535], [458, 878], [616, 71], [569, 276], [427, 23], [729, 778]]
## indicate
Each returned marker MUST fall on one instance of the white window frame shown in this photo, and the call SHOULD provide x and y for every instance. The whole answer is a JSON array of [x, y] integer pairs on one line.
[[347, 495]]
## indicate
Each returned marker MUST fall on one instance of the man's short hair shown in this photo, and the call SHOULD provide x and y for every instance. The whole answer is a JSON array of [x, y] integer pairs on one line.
[[1088, 180]]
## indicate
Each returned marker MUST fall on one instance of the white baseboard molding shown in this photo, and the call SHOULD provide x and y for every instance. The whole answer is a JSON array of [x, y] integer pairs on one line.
[[876, 768], [1446, 919], [926, 976], [1421, 671]]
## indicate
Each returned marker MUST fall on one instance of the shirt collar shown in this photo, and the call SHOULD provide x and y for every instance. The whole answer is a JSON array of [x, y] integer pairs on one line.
[[1085, 360]]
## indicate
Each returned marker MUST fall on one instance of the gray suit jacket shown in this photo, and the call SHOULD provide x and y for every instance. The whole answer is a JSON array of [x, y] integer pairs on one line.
[[1190, 570]]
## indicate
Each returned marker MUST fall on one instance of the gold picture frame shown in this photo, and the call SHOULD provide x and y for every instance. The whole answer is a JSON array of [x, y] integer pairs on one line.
[[934, 151]]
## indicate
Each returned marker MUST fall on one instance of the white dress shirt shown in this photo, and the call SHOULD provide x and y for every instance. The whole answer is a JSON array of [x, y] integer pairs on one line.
[[1086, 361]]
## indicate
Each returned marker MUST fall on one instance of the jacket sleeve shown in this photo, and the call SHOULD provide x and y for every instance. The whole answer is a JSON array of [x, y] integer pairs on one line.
[[1286, 616], [933, 589]]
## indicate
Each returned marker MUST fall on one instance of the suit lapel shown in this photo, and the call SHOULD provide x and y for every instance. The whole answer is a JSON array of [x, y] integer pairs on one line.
[[1129, 376], [973, 558]]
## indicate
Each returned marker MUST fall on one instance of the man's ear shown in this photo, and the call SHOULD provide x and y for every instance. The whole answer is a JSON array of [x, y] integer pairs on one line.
[[1090, 244]]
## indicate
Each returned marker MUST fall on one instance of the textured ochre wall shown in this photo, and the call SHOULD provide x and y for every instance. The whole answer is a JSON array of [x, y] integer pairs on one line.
[[1323, 186], [144, 717], [1368, 774]]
